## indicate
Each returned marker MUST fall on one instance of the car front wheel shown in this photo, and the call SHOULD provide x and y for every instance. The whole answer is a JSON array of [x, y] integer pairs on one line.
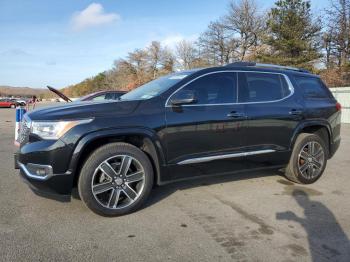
[[308, 160], [116, 179]]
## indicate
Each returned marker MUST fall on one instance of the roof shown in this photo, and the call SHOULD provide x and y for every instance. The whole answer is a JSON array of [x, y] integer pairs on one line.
[[266, 66], [254, 67]]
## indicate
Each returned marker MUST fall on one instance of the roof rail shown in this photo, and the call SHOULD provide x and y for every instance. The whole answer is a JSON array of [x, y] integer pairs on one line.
[[261, 65]]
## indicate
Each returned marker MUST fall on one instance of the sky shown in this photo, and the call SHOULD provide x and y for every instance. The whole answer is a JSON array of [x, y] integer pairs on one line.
[[62, 42]]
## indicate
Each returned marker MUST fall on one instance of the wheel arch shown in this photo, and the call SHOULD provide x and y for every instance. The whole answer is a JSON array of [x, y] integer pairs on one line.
[[144, 139], [322, 128]]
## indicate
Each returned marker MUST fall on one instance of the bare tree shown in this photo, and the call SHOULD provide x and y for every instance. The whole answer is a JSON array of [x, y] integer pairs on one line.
[[137, 61], [245, 22], [154, 52], [186, 53], [242, 34], [338, 30], [327, 39], [160, 59], [167, 61], [216, 45]]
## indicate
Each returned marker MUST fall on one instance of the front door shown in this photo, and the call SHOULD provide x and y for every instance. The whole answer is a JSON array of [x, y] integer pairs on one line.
[[206, 137]]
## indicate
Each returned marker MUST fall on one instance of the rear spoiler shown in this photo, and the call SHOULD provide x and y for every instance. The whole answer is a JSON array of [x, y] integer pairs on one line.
[[61, 95]]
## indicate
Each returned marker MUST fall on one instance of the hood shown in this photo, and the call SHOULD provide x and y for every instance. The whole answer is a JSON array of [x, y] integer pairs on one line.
[[60, 94], [84, 110]]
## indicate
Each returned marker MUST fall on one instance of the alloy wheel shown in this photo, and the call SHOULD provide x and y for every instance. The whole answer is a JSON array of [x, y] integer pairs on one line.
[[311, 160], [118, 181]]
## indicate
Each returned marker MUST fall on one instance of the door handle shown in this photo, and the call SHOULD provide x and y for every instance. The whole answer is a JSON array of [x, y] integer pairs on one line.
[[296, 112], [236, 115]]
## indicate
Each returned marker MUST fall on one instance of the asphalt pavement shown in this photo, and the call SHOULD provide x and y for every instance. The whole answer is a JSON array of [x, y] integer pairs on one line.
[[257, 216]]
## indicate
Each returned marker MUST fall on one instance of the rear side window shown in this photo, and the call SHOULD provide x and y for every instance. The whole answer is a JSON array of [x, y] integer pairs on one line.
[[262, 87], [109, 96], [312, 87], [99, 98], [117, 95], [217, 88]]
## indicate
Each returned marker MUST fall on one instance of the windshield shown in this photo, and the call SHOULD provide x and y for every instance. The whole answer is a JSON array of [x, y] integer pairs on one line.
[[154, 88]]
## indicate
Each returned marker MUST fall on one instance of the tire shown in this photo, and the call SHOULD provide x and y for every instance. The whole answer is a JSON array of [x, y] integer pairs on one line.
[[13, 106], [125, 195], [301, 159]]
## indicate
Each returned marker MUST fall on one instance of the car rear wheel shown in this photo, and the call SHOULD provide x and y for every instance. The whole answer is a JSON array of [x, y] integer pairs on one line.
[[308, 160], [13, 106], [116, 179]]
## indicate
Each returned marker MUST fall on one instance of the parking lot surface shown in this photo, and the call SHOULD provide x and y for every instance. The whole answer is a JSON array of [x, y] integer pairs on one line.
[[257, 216]]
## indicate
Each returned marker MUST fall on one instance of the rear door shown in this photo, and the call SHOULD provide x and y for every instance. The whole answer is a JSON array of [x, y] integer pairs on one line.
[[202, 137], [273, 110]]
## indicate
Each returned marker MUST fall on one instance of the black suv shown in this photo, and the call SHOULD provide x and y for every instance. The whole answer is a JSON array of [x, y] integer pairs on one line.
[[213, 121]]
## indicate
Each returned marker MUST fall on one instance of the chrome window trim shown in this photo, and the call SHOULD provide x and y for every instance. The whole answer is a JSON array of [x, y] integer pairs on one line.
[[218, 157], [290, 87]]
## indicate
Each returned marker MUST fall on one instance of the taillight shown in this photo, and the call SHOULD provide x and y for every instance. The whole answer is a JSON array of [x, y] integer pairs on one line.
[[338, 106]]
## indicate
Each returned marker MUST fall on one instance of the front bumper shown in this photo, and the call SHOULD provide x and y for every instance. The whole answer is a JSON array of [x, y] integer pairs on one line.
[[44, 167], [53, 187]]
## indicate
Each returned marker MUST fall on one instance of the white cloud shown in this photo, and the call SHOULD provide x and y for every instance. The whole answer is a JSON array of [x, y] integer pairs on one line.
[[91, 16], [15, 52], [171, 40]]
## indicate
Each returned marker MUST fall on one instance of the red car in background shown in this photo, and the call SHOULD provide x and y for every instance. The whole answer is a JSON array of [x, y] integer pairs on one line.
[[5, 102]]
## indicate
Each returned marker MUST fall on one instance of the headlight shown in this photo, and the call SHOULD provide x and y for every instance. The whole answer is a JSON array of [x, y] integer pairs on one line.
[[54, 129]]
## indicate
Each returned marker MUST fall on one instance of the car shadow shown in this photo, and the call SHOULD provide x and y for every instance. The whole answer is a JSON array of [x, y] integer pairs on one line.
[[161, 192], [327, 240]]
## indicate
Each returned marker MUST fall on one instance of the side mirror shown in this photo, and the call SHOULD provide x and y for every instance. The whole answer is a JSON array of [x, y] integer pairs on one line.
[[183, 97]]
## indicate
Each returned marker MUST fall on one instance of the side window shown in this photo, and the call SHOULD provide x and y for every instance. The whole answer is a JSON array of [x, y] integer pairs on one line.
[[99, 98], [109, 96], [261, 87], [117, 95], [216, 88], [312, 87]]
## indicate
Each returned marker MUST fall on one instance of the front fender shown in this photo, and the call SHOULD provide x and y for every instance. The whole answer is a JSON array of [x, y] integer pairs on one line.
[[112, 133]]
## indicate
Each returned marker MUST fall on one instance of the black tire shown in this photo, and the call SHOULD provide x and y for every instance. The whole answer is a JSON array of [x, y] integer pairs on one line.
[[94, 161], [293, 171]]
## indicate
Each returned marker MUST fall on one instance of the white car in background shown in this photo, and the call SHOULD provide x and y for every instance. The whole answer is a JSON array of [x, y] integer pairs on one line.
[[20, 102]]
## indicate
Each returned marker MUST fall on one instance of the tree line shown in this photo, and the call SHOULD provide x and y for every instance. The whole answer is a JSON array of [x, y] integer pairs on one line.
[[289, 33]]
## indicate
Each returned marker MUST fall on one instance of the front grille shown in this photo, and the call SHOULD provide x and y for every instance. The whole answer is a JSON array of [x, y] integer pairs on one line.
[[24, 131]]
